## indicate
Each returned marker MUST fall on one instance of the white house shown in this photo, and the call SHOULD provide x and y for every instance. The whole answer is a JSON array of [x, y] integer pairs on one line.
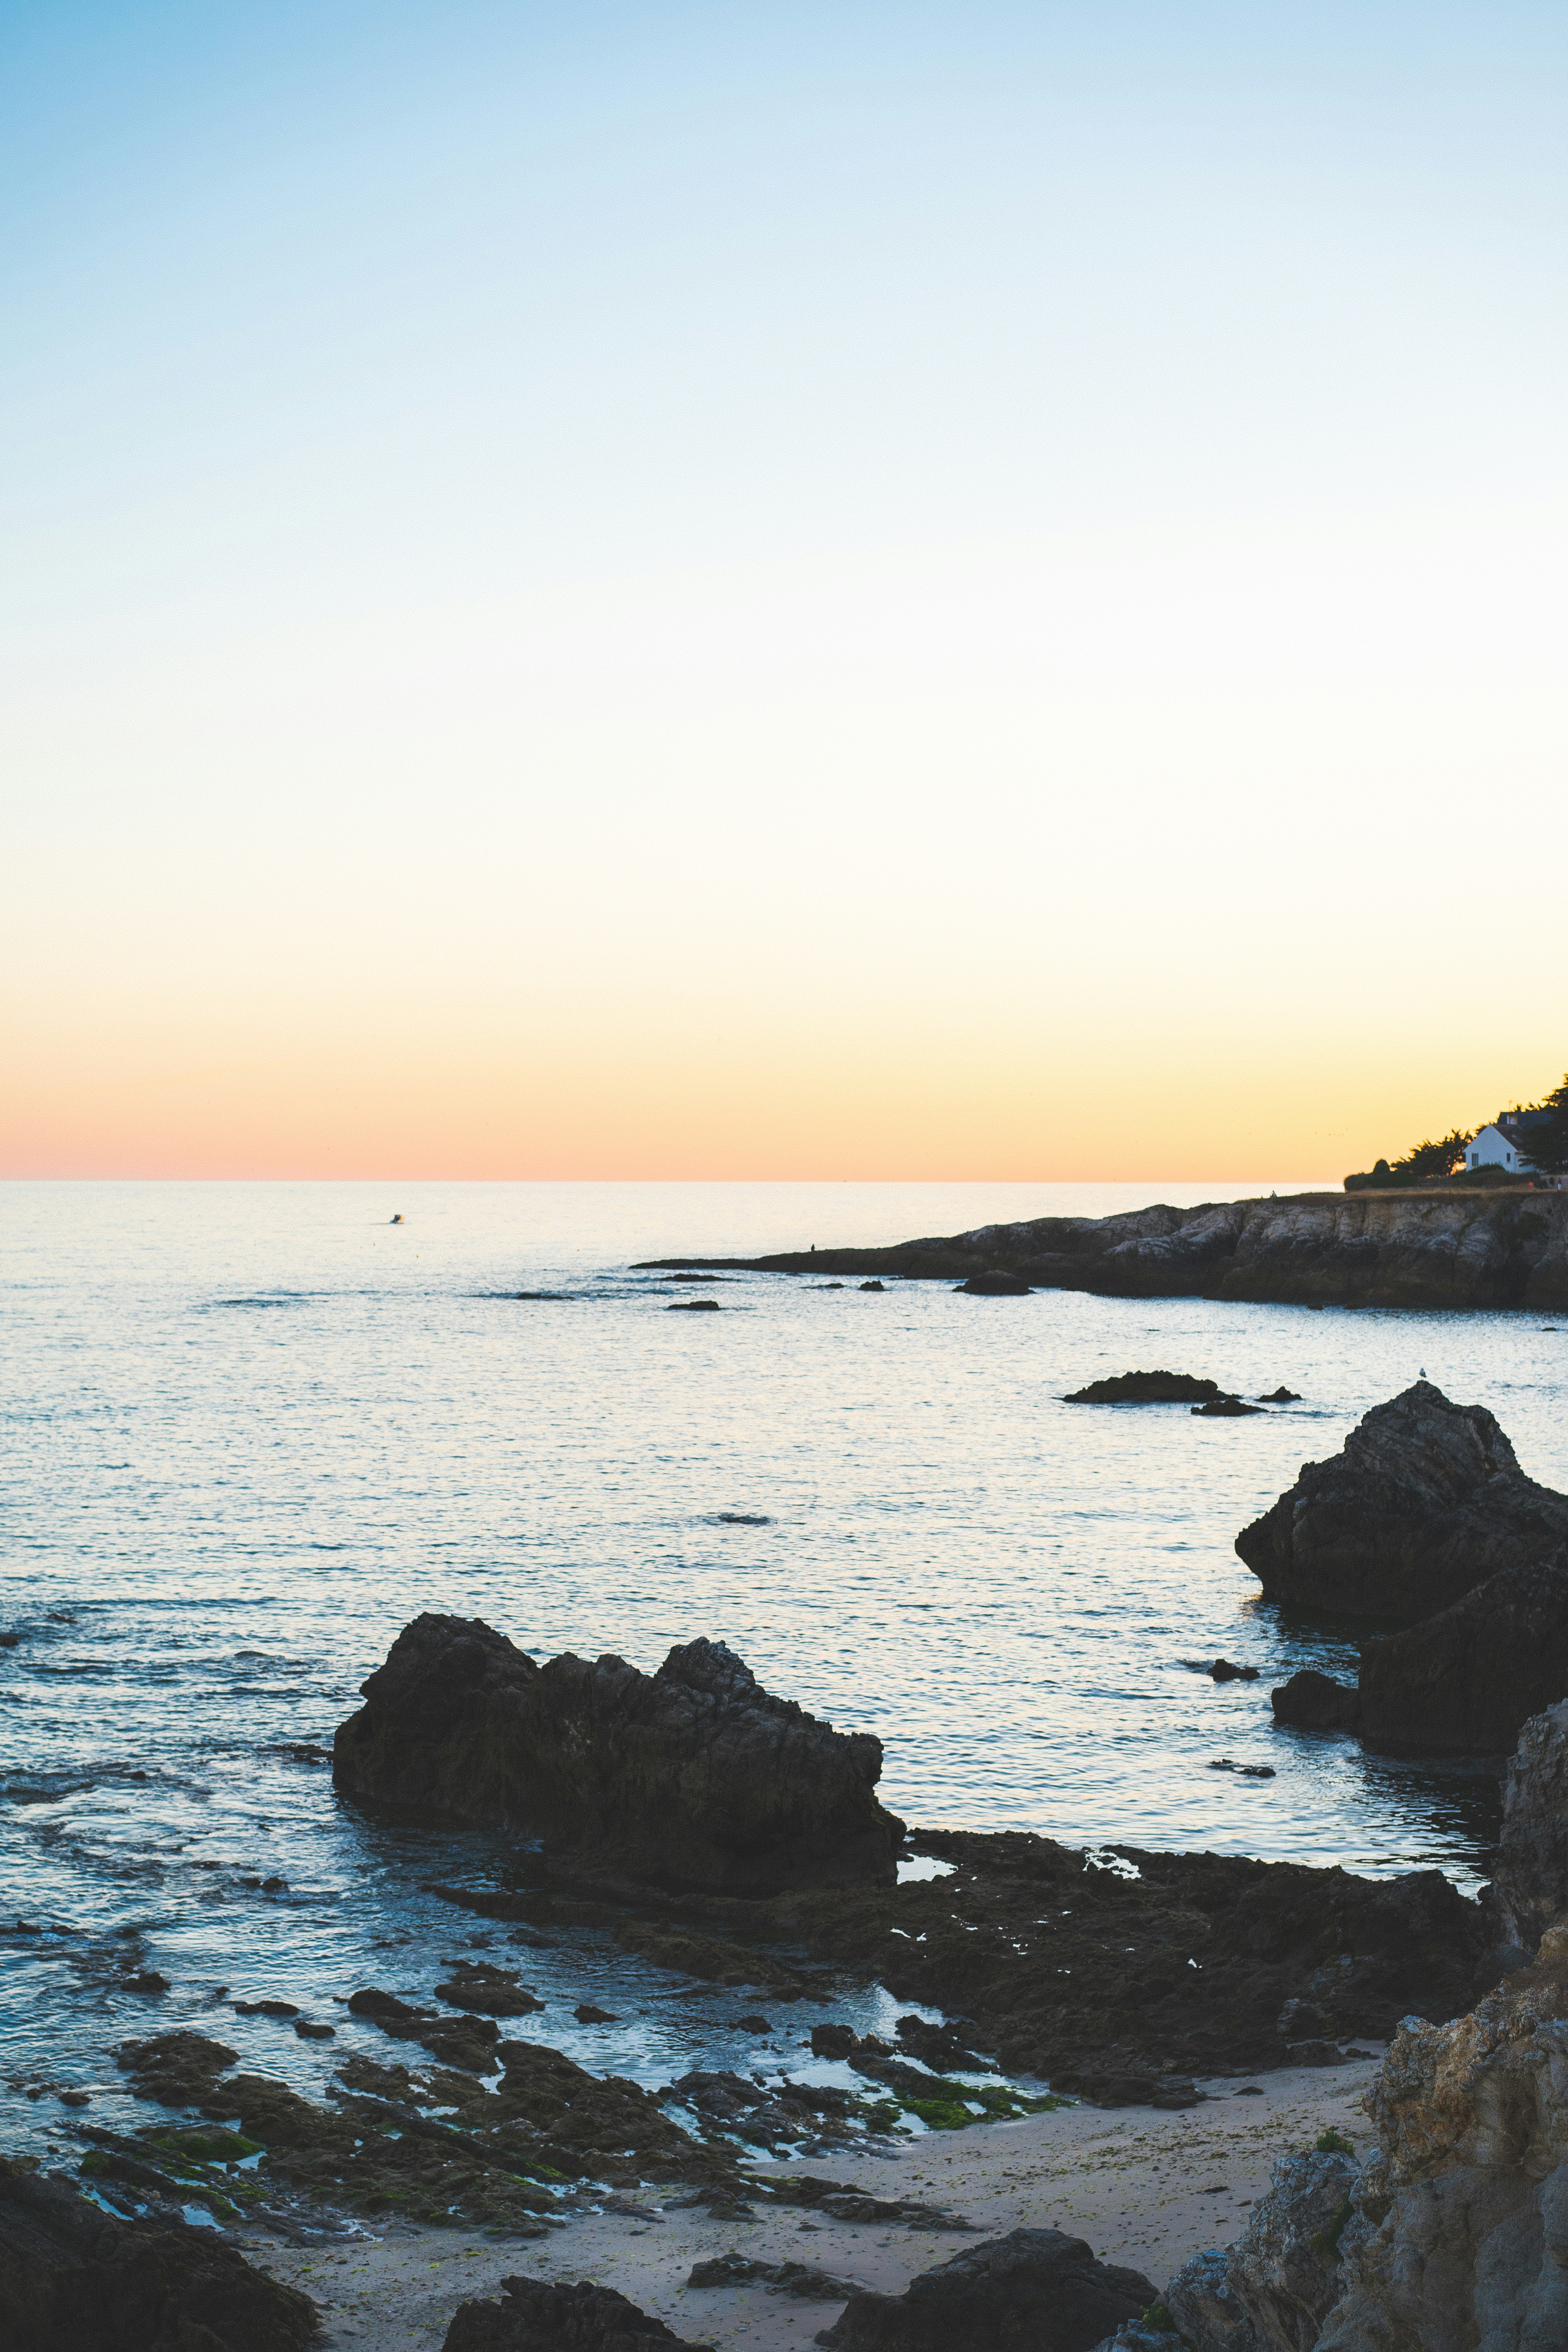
[[1503, 1143]]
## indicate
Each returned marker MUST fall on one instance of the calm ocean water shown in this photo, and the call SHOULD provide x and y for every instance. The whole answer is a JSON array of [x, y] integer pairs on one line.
[[251, 1429]]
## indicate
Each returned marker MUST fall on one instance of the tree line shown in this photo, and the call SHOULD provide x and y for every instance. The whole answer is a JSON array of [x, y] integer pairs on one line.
[[1439, 1161]]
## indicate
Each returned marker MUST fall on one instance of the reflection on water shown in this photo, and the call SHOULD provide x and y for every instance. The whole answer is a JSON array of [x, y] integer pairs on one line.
[[218, 1521]]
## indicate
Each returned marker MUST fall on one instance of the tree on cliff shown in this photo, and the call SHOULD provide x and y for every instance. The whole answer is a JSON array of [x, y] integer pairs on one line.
[[1423, 1163], [1427, 1159], [1546, 1147]]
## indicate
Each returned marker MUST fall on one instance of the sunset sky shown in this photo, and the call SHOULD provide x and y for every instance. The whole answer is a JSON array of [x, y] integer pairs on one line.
[[819, 590]]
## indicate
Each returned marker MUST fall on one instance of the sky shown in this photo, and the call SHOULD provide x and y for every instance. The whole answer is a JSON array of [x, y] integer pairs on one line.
[[952, 592]]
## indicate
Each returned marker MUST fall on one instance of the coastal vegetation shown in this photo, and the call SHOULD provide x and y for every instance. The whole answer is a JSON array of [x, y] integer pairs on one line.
[[1442, 1162]]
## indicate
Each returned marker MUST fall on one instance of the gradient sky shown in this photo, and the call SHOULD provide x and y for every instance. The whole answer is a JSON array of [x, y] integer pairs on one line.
[[834, 591]]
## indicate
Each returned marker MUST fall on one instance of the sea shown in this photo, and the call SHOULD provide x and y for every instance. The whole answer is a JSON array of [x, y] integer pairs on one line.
[[252, 1429]]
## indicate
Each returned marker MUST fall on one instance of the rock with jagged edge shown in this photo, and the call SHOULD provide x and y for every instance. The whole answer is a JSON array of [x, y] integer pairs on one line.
[[694, 1777]]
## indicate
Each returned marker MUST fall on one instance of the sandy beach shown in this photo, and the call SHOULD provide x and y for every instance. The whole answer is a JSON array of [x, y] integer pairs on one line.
[[1144, 2188]]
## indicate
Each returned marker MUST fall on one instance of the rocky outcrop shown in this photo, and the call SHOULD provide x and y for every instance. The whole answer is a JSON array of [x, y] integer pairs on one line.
[[73, 2278], [1033, 2288], [1075, 1969], [1464, 1682], [1147, 1388], [1314, 1702], [1421, 1248], [1424, 1501], [1530, 1889], [548, 2315], [1458, 2236], [1275, 2287], [693, 1777]]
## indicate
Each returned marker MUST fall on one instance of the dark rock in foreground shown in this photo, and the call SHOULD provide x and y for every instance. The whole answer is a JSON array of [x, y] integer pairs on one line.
[[74, 2279], [692, 1777], [1424, 1501], [1147, 1388], [540, 2315], [1464, 1682], [1531, 1886], [996, 1283], [1425, 1248], [1314, 1702], [1035, 2290]]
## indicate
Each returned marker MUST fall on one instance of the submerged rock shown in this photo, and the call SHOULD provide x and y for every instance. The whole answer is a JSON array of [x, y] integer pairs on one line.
[[1038, 2288], [1147, 1388], [540, 2316], [75, 2279], [177, 2070], [1225, 1408], [996, 1283], [479, 1986], [1464, 1682], [694, 1777], [1531, 1886], [1424, 1501]]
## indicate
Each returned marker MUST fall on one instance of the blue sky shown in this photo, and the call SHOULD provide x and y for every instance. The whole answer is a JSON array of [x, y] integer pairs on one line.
[[1097, 470]]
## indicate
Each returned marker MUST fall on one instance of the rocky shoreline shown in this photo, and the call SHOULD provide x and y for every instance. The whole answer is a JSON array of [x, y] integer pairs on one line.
[[728, 1836], [1424, 1248]]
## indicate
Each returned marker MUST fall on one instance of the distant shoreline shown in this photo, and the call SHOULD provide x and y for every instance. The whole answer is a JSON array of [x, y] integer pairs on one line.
[[1425, 1247]]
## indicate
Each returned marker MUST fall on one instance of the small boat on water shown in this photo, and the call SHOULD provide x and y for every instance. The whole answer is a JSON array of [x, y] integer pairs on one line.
[[398, 1219]]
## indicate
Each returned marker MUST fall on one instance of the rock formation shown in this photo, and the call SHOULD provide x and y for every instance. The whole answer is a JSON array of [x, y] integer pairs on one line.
[[1425, 1514], [1531, 1887], [1272, 2290], [1424, 1501], [1148, 1388], [75, 2279], [1422, 1249], [1079, 1974], [1464, 1682], [693, 1777], [1314, 1702], [1033, 2288], [1459, 2236], [548, 2315]]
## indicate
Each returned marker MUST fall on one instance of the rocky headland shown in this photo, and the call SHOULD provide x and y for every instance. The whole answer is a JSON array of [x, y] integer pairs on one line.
[[1423, 1248], [1425, 1518]]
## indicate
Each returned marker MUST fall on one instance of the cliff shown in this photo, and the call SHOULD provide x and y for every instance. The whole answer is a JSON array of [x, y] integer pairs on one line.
[[1357, 1249]]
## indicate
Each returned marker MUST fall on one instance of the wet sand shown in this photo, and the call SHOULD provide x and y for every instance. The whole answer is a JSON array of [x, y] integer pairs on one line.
[[1144, 2188]]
